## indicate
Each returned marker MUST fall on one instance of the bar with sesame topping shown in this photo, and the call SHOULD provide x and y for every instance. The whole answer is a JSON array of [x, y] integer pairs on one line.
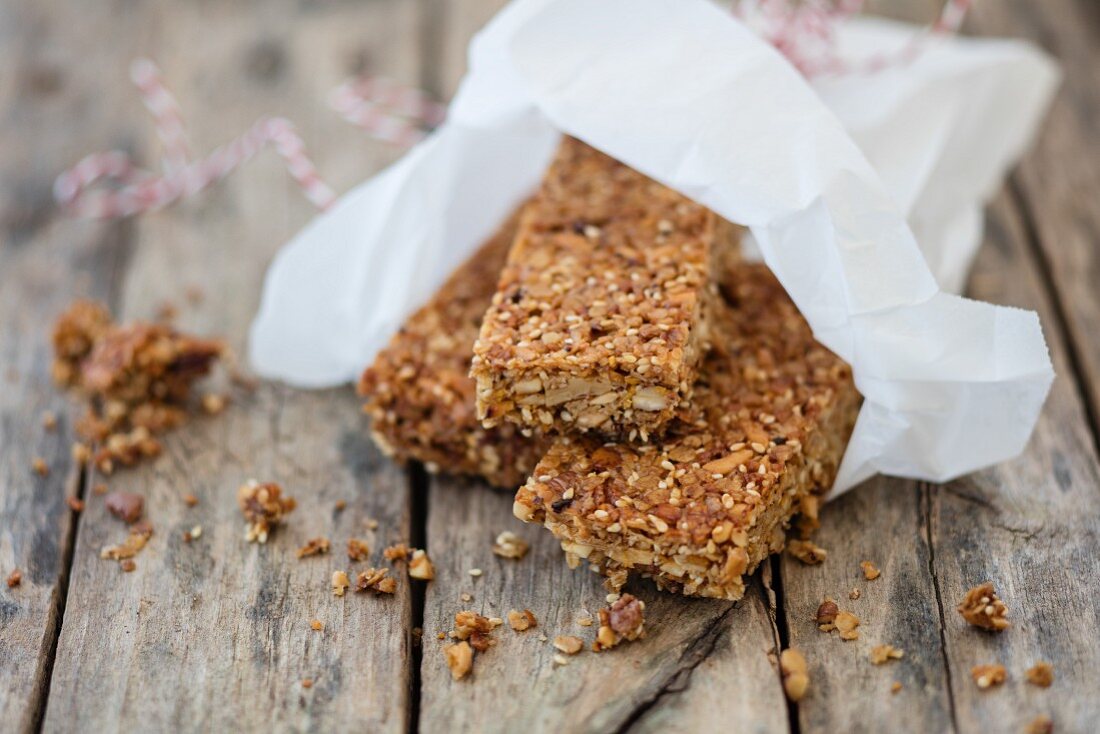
[[600, 318], [419, 394], [760, 440]]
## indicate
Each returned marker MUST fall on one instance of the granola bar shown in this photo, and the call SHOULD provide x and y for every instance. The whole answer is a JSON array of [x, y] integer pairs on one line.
[[765, 431], [420, 396], [600, 318]]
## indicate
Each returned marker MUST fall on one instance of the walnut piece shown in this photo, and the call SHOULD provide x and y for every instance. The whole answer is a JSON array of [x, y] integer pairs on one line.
[[826, 613], [376, 580], [358, 550], [1041, 674], [420, 566], [460, 659], [314, 547], [885, 653], [15, 578], [869, 571], [846, 624], [340, 583], [987, 676], [796, 677], [623, 620], [983, 608], [520, 621], [264, 507], [806, 551], [569, 644]]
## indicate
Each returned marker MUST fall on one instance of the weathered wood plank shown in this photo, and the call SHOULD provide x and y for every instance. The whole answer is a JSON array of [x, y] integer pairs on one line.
[[702, 662], [1059, 178], [215, 634], [45, 69]]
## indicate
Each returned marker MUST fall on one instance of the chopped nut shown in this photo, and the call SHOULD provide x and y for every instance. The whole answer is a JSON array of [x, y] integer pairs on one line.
[[127, 565], [1040, 725], [520, 621], [468, 622], [1041, 674], [40, 467], [397, 552], [796, 677], [340, 583], [15, 578], [826, 612], [190, 500], [420, 566], [846, 624], [510, 545], [869, 571], [357, 549], [568, 644], [460, 658], [314, 547], [983, 608], [376, 580], [884, 653], [264, 507], [623, 620], [806, 551], [585, 621], [75, 503], [316, 625], [213, 404], [135, 541], [126, 506], [307, 683], [340, 505], [987, 676], [854, 594]]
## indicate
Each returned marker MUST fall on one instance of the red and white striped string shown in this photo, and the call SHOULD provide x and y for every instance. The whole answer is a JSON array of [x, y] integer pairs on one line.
[[803, 30]]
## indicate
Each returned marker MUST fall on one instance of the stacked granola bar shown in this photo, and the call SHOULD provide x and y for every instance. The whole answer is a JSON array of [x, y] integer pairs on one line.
[[675, 402]]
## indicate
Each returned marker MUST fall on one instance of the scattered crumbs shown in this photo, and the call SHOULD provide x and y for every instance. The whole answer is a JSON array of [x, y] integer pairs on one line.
[[796, 676], [340, 505], [475, 572], [987, 676], [126, 506], [214, 404], [316, 625], [49, 421], [314, 547], [521, 621], [895, 687], [420, 566], [623, 620], [510, 545], [377, 580], [75, 503], [1040, 725], [264, 507], [1041, 674], [854, 594], [846, 624], [460, 659], [870, 572], [307, 683], [982, 607], [881, 654], [569, 644], [340, 583], [127, 565], [15, 578], [190, 500], [39, 466], [358, 550], [476, 629], [826, 615], [806, 551]]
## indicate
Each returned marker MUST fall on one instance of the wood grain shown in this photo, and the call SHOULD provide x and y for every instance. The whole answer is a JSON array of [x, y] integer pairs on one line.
[[1057, 183], [215, 634], [702, 663]]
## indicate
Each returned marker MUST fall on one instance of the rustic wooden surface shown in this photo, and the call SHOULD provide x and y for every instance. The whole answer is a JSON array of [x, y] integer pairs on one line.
[[215, 634]]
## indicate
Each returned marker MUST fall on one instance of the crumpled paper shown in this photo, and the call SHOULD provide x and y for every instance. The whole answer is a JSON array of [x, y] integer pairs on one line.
[[833, 180]]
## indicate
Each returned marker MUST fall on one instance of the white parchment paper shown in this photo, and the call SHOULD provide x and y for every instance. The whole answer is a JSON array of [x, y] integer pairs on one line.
[[833, 179]]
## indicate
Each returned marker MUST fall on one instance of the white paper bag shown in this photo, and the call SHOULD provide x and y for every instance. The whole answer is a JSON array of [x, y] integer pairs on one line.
[[681, 91]]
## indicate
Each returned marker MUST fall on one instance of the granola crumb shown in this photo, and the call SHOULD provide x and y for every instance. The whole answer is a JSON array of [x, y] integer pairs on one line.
[[585, 620], [623, 620], [75, 503], [340, 505], [510, 545], [826, 613], [983, 608], [316, 625], [397, 552], [560, 660], [1040, 725], [190, 500], [213, 404], [264, 507], [895, 687], [307, 683], [466, 596], [376, 580], [1041, 674], [846, 624], [340, 583], [314, 547], [140, 533], [796, 676], [521, 621], [193, 534], [987, 676], [49, 421], [15, 578], [881, 654], [420, 566], [476, 629], [126, 506], [40, 467], [569, 644], [854, 594], [807, 552], [870, 572], [371, 524], [475, 572], [460, 659], [358, 550], [127, 565]]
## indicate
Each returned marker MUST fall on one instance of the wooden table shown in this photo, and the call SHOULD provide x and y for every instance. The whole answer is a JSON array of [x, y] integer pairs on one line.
[[214, 635]]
